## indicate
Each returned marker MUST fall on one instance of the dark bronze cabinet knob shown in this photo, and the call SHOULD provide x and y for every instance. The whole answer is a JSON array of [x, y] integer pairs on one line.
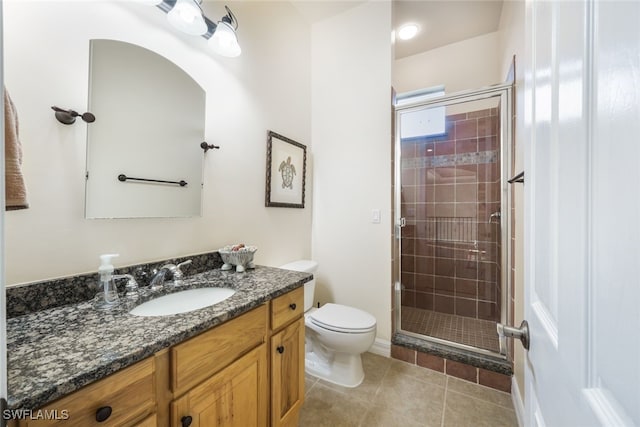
[[103, 413], [186, 421], [292, 306], [280, 349]]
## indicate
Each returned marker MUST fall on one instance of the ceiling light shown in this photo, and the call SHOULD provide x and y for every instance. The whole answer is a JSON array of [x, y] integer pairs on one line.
[[408, 31], [186, 16]]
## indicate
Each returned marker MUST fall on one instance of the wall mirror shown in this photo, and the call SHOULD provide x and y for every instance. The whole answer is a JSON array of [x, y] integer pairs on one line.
[[149, 125]]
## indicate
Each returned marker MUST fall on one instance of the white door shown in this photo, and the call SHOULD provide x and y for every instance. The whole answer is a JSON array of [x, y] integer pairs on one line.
[[582, 196]]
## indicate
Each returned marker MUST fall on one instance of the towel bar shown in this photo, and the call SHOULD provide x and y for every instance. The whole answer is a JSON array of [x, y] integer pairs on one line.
[[122, 177]]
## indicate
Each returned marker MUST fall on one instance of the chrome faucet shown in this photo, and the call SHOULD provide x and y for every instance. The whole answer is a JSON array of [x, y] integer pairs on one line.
[[157, 282]]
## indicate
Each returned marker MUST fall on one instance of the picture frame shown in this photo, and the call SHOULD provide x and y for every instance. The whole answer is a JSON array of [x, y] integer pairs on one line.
[[286, 172]]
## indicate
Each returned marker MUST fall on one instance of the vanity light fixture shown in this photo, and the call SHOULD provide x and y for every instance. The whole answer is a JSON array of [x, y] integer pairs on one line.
[[188, 17]]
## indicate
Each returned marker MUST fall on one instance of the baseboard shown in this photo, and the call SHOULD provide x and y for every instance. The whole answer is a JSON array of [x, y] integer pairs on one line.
[[381, 347], [516, 398]]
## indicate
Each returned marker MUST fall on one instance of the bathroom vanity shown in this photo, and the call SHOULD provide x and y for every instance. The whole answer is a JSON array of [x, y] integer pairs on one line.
[[237, 363]]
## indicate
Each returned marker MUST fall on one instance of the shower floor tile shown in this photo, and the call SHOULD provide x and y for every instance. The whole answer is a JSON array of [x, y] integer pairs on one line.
[[463, 330]]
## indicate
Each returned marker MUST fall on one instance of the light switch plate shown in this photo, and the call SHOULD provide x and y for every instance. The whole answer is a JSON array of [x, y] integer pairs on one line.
[[375, 216]]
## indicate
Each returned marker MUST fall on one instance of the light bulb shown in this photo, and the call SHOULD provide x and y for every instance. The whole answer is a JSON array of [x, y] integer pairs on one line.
[[186, 16], [224, 40]]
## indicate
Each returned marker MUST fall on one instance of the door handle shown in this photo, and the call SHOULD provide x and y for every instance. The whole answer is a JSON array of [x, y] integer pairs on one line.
[[400, 224], [521, 333]]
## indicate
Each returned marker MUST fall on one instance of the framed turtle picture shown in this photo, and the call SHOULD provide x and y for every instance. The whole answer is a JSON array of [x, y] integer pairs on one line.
[[286, 171]]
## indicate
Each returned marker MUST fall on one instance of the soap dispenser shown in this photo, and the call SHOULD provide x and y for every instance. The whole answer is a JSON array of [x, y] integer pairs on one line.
[[108, 298]]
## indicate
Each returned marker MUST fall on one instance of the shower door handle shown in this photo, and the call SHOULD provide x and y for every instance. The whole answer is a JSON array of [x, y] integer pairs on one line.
[[398, 229], [521, 333]]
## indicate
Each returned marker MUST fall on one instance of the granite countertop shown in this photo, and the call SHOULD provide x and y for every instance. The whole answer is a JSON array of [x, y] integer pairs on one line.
[[56, 351]]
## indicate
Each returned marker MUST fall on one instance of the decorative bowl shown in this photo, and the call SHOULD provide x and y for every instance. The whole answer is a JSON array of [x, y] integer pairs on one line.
[[239, 256]]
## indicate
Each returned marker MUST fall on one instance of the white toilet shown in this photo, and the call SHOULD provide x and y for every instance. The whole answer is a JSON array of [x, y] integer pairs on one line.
[[335, 335]]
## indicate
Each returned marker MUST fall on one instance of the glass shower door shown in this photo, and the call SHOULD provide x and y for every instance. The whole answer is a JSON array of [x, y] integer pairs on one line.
[[450, 200]]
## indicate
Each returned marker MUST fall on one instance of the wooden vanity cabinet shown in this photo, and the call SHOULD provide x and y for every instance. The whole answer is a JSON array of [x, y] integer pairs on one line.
[[248, 371]]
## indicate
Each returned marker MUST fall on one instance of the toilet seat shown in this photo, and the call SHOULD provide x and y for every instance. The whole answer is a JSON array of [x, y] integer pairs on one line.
[[342, 318]]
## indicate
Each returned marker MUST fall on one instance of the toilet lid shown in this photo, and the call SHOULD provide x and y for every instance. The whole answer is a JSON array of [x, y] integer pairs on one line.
[[342, 318]]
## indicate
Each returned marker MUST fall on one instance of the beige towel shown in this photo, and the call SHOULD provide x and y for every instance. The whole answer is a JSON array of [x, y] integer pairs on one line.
[[15, 190]]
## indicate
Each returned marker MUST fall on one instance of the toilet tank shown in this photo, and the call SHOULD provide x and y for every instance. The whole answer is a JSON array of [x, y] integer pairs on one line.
[[306, 266]]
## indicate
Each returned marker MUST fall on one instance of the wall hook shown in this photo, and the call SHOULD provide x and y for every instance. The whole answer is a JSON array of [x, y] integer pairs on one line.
[[206, 147], [68, 117]]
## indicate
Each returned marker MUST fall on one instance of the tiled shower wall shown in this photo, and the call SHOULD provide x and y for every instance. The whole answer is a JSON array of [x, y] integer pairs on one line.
[[450, 188]]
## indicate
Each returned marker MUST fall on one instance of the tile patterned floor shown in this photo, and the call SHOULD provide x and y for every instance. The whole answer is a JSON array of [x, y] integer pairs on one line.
[[463, 330], [397, 394]]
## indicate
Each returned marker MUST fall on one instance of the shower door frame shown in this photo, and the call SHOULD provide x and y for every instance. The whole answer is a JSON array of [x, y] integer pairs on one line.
[[504, 91]]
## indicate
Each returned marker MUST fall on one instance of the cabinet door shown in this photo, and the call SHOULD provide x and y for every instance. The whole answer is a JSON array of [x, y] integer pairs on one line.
[[287, 374], [235, 396]]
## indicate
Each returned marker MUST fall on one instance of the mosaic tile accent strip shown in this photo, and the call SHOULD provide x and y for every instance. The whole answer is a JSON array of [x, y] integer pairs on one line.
[[32, 297], [477, 158]]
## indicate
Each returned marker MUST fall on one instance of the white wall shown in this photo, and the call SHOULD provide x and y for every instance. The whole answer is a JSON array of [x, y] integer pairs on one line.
[[268, 87], [468, 64], [512, 42], [351, 129]]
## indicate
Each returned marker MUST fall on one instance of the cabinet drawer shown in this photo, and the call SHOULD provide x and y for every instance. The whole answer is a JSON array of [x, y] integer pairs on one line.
[[129, 393], [198, 358], [287, 307]]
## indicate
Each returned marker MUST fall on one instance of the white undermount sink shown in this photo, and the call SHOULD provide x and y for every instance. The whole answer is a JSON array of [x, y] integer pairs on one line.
[[182, 302]]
